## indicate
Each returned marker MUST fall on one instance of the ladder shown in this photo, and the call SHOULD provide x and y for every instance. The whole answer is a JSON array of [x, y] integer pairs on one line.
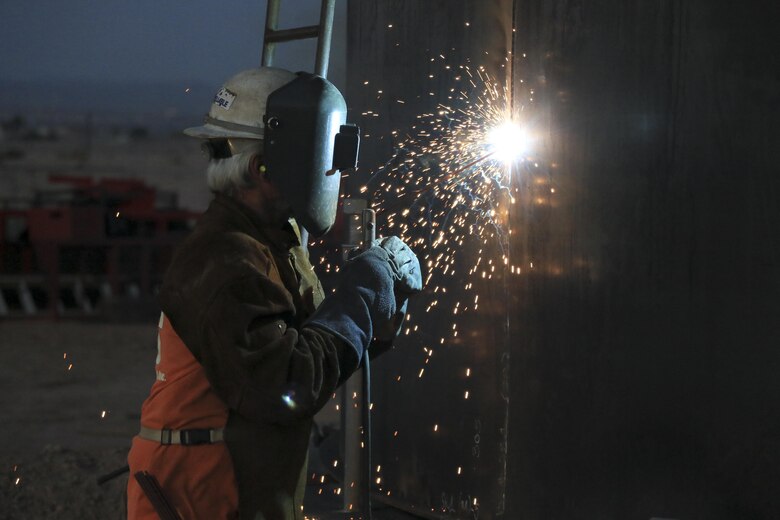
[[322, 32], [357, 463]]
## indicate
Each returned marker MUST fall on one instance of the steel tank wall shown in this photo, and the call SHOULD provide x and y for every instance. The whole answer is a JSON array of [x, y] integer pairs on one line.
[[645, 359], [635, 364], [438, 452]]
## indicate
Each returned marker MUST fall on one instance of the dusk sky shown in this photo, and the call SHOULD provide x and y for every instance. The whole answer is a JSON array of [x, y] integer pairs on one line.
[[149, 40]]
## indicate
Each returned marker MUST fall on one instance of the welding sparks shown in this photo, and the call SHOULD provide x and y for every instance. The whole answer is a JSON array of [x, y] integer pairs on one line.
[[456, 163], [447, 191]]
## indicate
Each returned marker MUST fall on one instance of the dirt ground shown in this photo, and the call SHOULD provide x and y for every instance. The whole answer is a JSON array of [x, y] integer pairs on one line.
[[70, 402]]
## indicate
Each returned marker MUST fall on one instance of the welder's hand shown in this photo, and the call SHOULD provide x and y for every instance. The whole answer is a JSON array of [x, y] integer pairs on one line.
[[408, 280], [364, 303], [405, 265], [385, 336]]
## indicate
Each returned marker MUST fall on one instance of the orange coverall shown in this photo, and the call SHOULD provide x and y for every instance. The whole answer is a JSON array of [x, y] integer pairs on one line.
[[182, 398]]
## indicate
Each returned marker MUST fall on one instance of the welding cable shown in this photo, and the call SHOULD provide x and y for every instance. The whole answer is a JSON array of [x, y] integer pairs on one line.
[[369, 236], [102, 479], [366, 419]]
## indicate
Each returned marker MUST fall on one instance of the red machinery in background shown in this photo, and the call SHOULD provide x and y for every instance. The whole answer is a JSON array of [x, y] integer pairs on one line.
[[87, 246]]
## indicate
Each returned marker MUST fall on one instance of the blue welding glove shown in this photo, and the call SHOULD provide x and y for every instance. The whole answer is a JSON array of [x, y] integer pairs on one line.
[[408, 280], [406, 266], [363, 303]]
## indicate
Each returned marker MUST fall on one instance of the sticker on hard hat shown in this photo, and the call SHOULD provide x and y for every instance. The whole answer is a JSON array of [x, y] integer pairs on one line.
[[224, 98]]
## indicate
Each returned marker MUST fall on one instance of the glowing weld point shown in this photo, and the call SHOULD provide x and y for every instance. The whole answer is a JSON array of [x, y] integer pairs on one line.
[[508, 142]]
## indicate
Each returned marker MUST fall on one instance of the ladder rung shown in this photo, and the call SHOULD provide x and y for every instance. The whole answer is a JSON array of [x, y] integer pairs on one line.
[[286, 35], [321, 32]]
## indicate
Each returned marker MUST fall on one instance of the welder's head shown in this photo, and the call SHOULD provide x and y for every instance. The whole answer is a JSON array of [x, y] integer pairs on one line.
[[284, 126], [230, 168]]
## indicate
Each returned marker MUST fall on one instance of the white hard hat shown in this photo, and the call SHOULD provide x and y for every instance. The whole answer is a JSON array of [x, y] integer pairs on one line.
[[239, 106]]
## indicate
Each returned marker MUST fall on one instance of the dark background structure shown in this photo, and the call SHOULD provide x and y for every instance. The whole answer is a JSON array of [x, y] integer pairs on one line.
[[630, 370], [642, 347]]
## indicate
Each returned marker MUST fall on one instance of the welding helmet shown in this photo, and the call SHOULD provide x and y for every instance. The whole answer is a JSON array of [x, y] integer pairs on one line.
[[300, 119]]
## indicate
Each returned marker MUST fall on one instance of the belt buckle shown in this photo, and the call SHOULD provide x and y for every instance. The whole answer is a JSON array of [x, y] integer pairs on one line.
[[195, 437]]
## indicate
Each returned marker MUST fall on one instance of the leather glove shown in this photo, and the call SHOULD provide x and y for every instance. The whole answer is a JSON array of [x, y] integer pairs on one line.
[[363, 303], [408, 280], [405, 265]]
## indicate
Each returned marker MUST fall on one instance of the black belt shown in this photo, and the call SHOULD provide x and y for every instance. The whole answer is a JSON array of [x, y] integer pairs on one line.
[[191, 437]]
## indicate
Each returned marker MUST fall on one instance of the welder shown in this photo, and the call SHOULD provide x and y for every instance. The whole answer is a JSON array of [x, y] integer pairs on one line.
[[249, 346]]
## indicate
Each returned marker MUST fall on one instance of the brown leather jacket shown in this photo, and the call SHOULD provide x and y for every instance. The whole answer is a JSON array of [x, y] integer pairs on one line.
[[238, 293]]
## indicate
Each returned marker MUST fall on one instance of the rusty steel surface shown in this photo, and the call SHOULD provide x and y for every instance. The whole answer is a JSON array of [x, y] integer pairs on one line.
[[438, 453], [630, 370]]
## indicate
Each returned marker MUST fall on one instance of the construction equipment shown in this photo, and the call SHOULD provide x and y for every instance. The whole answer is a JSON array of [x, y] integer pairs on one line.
[[67, 251]]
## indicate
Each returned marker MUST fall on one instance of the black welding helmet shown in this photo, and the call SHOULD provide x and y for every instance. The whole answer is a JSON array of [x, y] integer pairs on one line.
[[306, 145]]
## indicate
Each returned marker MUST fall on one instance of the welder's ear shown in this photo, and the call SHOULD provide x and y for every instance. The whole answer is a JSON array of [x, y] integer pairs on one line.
[[257, 167]]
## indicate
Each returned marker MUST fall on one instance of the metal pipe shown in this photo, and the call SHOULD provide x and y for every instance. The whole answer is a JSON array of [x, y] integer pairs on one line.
[[356, 418], [350, 407], [323, 43], [369, 228], [271, 22]]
